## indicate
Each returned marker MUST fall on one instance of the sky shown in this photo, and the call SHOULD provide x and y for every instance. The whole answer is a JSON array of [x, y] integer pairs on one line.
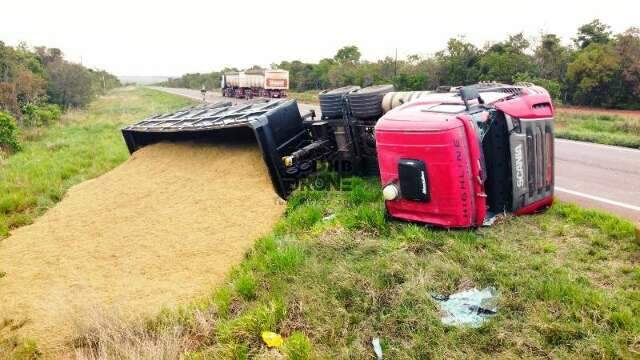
[[170, 38]]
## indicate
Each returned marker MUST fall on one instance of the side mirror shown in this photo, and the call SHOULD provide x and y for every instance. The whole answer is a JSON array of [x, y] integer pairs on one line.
[[470, 93]]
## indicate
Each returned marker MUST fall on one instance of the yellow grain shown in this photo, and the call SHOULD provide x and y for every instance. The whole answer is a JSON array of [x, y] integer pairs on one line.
[[160, 229]]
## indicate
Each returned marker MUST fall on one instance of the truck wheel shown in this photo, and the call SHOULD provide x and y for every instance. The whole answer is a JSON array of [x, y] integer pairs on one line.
[[367, 103], [331, 101]]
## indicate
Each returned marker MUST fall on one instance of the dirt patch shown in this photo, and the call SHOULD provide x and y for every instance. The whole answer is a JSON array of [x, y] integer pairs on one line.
[[160, 229]]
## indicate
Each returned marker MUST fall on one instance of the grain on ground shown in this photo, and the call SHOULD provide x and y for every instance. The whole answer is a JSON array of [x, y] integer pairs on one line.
[[160, 229]]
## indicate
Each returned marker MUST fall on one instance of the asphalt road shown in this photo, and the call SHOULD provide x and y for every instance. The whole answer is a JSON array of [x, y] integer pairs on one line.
[[591, 175]]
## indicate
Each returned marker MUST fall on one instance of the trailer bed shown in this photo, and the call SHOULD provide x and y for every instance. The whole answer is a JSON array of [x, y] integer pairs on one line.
[[277, 126]]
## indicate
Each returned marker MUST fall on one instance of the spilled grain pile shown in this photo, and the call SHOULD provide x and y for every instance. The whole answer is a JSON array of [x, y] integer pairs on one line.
[[157, 231]]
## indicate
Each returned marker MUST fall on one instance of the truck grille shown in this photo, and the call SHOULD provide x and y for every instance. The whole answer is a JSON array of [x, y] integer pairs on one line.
[[532, 159]]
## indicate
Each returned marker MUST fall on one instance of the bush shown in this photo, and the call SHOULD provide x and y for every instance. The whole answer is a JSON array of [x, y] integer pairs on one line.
[[8, 133], [41, 115], [553, 87]]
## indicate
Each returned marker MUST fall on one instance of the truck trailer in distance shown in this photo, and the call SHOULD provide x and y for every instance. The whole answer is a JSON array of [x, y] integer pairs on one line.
[[255, 83]]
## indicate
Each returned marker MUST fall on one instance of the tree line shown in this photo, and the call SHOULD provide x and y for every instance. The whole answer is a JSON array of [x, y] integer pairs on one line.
[[37, 84], [598, 67]]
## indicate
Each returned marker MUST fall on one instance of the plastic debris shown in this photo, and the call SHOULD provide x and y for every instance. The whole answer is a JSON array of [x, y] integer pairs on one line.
[[377, 348], [468, 308], [489, 220], [329, 217], [272, 339]]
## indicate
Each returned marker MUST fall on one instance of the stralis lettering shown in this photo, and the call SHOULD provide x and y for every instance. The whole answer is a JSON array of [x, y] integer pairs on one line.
[[519, 167]]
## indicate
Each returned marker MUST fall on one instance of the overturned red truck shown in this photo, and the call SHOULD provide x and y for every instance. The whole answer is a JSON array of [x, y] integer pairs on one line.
[[451, 158], [454, 159]]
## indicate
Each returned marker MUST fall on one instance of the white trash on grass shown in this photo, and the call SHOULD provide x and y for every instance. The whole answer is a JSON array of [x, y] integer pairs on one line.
[[469, 307], [377, 348]]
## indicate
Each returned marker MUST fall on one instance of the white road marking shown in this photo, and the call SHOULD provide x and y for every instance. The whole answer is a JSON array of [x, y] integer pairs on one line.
[[612, 147], [598, 198]]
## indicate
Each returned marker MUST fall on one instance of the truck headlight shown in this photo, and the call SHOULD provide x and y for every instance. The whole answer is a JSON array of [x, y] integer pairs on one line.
[[390, 192]]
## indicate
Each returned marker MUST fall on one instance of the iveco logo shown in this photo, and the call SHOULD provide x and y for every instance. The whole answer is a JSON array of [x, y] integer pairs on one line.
[[519, 167], [424, 183]]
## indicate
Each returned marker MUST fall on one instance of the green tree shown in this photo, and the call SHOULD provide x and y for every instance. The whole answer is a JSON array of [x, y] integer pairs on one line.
[[8, 133], [602, 70], [458, 63], [502, 61], [551, 57], [69, 84], [628, 49], [552, 86], [300, 74], [595, 32], [29, 78], [8, 63], [30, 60], [592, 73], [102, 81], [320, 74], [30, 87], [48, 55], [347, 54], [8, 98]]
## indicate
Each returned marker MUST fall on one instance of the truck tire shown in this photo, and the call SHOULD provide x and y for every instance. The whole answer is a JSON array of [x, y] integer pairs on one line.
[[394, 99], [331, 101], [366, 103]]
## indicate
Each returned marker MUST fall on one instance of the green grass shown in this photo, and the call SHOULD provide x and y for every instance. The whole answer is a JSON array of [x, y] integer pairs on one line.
[[306, 97], [569, 281], [599, 128], [86, 144]]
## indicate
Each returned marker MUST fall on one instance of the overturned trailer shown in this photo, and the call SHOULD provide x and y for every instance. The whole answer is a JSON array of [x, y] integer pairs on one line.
[[277, 126], [447, 159]]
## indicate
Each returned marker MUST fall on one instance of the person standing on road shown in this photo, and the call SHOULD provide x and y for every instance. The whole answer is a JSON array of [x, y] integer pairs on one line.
[[203, 91]]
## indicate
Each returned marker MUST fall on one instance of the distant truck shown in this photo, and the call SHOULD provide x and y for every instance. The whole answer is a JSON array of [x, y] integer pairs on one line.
[[255, 83]]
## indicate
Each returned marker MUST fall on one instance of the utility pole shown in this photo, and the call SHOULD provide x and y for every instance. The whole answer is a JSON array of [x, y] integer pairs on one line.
[[395, 66]]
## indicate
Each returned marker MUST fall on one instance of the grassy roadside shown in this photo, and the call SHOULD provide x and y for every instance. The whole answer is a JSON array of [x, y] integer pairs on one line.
[[85, 144], [306, 97], [569, 283], [599, 128]]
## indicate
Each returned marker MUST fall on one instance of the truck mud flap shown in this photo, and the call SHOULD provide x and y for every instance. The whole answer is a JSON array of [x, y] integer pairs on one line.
[[532, 151], [277, 126]]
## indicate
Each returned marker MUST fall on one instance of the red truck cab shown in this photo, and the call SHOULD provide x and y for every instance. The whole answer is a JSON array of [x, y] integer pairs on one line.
[[452, 161]]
